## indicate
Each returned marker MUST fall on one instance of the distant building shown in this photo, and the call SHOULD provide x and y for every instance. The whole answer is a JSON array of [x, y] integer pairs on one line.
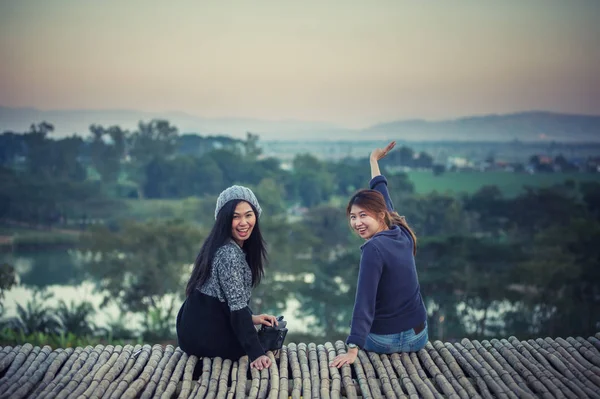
[[458, 163]]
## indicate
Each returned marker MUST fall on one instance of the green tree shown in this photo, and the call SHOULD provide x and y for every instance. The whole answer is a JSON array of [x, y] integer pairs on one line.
[[489, 211], [311, 181], [433, 214], [286, 245], [11, 146], [64, 159], [399, 185], [158, 176], [209, 176], [486, 261], [270, 195], [47, 158], [423, 160], [562, 279], [38, 201], [403, 156], [327, 285], [230, 163], [182, 177], [37, 149], [142, 262], [349, 176], [192, 176], [438, 267], [438, 169], [157, 323], [107, 151], [156, 140], [455, 274], [540, 208], [251, 148], [35, 316], [75, 318], [8, 279], [590, 192]]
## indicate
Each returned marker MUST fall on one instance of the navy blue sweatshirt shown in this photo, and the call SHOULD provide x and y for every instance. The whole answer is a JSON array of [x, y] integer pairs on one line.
[[388, 297]]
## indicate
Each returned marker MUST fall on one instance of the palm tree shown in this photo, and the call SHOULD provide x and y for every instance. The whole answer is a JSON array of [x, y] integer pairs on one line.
[[35, 316], [75, 317], [8, 279], [158, 322]]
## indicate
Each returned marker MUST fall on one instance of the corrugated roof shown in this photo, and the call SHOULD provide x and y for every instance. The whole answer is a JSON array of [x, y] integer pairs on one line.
[[503, 368]]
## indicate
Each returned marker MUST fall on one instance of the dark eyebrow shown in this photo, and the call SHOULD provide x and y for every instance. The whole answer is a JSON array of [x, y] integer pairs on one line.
[[247, 212]]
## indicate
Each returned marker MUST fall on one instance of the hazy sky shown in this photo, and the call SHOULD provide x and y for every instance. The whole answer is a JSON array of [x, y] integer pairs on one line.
[[349, 62]]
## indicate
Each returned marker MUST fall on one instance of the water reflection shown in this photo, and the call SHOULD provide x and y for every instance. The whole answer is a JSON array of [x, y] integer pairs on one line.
[[44, 268], [62, 273], [72, 293], [86, 291]]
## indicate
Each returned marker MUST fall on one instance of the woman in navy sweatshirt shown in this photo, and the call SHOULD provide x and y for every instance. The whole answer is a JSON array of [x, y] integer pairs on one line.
[[389, 314], [215, 319]]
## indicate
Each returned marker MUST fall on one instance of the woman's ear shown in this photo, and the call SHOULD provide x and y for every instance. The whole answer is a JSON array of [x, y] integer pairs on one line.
[[382, 217]]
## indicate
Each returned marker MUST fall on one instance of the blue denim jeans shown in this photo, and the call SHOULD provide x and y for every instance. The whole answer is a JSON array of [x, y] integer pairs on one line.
[[406, 341]]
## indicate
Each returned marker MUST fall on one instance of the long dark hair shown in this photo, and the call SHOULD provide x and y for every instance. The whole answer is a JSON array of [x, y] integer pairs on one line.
[[254, 247], [374, 203]]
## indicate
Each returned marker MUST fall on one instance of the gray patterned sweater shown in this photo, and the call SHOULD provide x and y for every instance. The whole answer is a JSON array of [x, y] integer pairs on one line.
[[216, 320], [230, 277]]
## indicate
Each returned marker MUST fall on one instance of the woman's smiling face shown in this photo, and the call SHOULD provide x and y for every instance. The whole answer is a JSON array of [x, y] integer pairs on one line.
[[365, 225], [243, 222]]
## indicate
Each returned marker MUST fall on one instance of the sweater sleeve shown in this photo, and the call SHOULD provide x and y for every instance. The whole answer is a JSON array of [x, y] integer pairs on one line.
[[237, 296], [241, 321], [371, 266], [379, 183]]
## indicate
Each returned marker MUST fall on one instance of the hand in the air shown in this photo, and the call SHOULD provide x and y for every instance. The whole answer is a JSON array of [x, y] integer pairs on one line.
[[262, 362], [379, 153], [266, 319]]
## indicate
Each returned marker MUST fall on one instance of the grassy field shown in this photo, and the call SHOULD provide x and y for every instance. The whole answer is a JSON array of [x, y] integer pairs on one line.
[[511, 184]]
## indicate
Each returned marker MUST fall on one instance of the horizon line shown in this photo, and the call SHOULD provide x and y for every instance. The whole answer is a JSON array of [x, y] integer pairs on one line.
[[283, 120]]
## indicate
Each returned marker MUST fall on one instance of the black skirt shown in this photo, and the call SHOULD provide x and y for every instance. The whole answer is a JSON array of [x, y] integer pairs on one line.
[[204, 328]]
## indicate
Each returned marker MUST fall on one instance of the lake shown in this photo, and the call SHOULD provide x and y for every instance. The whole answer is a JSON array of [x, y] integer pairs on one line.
[[62, 273]]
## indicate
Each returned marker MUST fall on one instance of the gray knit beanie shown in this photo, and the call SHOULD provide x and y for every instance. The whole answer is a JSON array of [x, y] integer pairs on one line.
[[239, 193]]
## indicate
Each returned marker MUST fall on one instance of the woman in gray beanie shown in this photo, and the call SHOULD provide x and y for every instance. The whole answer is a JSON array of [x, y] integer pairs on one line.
[[215, 319]]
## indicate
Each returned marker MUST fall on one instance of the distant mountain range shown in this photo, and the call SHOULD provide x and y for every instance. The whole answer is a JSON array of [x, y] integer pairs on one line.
[[525, 126]]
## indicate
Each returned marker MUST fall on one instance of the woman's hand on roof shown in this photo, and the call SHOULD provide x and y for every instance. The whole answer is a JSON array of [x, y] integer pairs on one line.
[[262, 362], [346, 358], [379, 153]]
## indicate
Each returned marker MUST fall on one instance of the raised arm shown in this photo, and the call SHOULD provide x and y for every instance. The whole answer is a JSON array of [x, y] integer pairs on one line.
[[376, 155], [378, 181]]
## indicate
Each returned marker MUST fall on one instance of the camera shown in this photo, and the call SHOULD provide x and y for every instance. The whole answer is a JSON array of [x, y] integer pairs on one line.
[[271, 337]]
